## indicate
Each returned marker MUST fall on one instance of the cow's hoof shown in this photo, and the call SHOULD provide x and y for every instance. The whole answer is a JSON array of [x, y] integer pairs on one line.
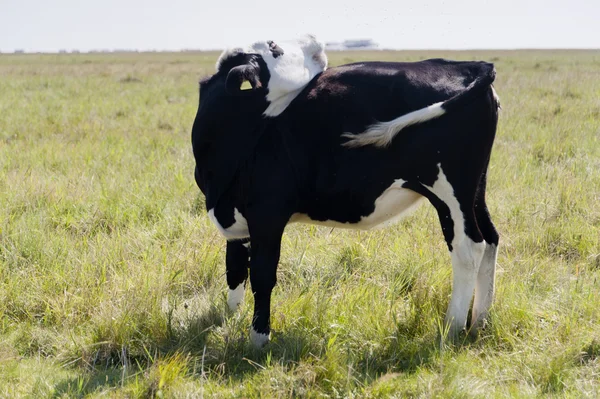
[[235, 297], [479, 326], [259, 340], [456, 335]]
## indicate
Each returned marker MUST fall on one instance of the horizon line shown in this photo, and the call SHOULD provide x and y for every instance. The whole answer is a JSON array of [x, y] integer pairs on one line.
[[210, 50]]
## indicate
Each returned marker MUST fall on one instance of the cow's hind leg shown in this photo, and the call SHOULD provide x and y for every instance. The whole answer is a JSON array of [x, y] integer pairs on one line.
[[466, 254], [484, 289], [237, 262], [455, 207]]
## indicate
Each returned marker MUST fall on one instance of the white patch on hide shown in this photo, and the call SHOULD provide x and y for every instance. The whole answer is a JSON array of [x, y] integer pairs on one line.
[[392, 205], [238, 230], [302, 59]]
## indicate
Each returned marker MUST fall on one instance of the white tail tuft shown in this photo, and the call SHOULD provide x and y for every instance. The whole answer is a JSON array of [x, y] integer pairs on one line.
[[381, 134]]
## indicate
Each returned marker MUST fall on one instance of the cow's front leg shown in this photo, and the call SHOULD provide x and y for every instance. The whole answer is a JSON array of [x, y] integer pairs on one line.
[[265, 250], [236, 263]]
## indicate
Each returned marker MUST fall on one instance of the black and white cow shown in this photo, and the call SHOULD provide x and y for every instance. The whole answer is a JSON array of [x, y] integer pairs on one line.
[[354, 146]]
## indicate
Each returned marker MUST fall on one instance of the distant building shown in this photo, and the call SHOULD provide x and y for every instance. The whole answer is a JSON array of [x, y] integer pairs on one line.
[[124, 51], [355, 44], [19, 51]]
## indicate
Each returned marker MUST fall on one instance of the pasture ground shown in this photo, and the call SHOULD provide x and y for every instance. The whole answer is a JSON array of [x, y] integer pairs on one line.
[[112, 277]]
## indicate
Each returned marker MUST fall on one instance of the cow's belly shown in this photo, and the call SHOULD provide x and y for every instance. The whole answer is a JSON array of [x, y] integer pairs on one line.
[[392, 205]]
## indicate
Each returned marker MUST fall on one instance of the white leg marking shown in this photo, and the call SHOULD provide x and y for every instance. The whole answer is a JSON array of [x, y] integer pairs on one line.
[[484, 289], [259, 340], [466, 258], [444, 191], [235, 297]]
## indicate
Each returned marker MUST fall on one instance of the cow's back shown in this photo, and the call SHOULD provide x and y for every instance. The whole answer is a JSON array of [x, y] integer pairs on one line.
[[349, 98]]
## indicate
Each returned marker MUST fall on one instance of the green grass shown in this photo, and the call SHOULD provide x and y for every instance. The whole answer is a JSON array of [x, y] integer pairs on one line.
[[112, 277]]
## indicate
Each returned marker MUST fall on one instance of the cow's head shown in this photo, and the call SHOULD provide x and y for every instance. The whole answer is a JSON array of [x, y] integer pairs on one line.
[[244, 74], [250, 84], [269, 70]]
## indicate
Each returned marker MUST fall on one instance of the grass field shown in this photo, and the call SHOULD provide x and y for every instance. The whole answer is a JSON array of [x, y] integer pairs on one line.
[[112, 277]]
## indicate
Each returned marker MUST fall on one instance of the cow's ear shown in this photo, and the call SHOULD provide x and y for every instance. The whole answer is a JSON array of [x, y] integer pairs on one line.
[[243, 79]]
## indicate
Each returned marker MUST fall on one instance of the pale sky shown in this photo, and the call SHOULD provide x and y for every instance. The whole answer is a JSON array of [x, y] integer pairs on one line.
[[34, 25]]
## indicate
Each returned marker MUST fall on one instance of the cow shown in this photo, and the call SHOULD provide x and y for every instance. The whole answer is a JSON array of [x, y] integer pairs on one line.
[[280, 138]]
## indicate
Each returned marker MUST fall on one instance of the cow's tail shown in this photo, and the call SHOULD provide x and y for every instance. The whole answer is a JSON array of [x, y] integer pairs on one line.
[[381, 134]]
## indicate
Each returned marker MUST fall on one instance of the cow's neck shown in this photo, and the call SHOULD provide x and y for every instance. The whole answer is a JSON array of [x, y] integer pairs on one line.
[[219, 160]]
